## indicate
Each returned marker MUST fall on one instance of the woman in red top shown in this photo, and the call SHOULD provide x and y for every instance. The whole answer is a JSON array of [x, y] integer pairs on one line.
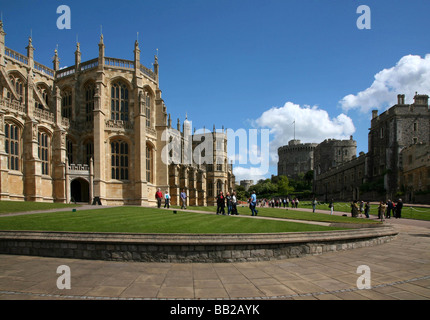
[[159, 196]]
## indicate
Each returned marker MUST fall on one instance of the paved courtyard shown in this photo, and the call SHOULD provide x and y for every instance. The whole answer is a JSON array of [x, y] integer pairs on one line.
[[399, 270]]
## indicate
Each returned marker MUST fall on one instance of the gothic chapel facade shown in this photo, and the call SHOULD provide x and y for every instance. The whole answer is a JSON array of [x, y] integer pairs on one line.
[[93, 131]]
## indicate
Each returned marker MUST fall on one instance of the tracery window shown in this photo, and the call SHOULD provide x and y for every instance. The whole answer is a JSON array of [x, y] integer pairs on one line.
[[148, 110], [218, 187], [89, 151], [89, 102], [69, 149], [43, 151], [119, 160], [12, 146], [149, 165], [119, 101], [66, 104]]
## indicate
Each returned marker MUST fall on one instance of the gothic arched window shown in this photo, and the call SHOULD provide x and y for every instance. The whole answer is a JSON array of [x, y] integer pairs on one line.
[[119, 101], [12, 146], [43, 151], [89, 101], [66, 104], [119, 159]]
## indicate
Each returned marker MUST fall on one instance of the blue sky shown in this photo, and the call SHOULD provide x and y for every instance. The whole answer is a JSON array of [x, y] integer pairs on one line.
[[250, 63]]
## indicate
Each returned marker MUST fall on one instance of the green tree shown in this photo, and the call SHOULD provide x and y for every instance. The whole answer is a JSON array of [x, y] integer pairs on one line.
[[284, 187]]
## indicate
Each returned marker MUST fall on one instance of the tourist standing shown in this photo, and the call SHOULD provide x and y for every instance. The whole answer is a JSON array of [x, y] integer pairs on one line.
[[390, 208], [399, 207], [183, 199], [167, 200], [331, 206], [354, 209], [253, 203], [367, 209], [159, 197], [314, 204], [381, 210], [228, 199], [220, 202], [234, 204]]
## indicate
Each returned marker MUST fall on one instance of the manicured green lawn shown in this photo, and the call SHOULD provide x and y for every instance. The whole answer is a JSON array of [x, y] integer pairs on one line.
[[408, 212], [148, 220], [18, 206], [294, 214]]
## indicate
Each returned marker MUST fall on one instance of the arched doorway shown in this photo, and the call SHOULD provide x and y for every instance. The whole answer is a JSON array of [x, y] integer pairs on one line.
[[80, 190]]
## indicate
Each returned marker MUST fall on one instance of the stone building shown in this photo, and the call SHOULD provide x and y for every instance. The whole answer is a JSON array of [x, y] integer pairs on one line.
[[399, 127], [332, 153], [295, 158], [415, 178], [246, 184], [396, 158], [95, 131]]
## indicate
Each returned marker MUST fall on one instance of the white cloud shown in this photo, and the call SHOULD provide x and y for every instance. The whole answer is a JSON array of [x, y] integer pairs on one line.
[[312, 125], [411, 74], [252, 173]]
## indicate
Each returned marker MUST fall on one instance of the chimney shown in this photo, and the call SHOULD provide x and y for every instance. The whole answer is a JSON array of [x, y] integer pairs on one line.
[[374, 114], [421, 99], [400, 99]]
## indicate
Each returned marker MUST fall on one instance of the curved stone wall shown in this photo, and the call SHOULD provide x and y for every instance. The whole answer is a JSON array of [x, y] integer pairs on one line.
[[188, 247]]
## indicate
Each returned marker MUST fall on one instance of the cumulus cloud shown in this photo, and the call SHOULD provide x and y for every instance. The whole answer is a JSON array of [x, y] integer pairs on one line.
[[411, 74], [252, 173], [305, 123]]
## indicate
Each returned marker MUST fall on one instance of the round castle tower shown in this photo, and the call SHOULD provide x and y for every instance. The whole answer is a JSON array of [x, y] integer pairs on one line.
[[295, 158]]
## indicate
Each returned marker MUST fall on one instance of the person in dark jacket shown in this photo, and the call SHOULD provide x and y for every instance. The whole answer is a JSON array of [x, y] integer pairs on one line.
[[220, 202], [399, 207]]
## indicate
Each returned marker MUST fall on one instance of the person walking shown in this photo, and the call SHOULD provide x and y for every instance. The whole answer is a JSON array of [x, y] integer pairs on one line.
[[159, 197], [331, 206], [220, 202], [314, 204], [183, 199], [253, 203], [167, 200]]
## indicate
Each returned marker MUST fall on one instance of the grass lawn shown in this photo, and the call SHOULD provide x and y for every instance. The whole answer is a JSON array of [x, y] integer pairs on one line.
[[18, 206], [294, 214], [148, 220], [408, 212]]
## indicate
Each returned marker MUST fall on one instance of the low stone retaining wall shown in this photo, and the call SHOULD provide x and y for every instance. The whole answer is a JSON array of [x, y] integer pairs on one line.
[[188, 247]]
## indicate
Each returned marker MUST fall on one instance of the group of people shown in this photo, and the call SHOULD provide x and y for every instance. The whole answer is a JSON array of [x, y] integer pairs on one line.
[[278, 203], [229, 200], [385, 209], [159, 197]]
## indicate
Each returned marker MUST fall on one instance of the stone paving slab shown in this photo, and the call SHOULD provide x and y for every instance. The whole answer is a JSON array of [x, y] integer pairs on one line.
[[400, 270]]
